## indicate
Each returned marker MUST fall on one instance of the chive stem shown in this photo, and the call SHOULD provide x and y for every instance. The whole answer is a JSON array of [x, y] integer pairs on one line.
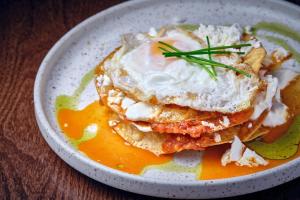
[[209, 55], [188, 56], [170, 54]]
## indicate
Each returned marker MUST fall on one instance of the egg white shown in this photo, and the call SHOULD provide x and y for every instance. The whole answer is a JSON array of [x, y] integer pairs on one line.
[[147, 74]]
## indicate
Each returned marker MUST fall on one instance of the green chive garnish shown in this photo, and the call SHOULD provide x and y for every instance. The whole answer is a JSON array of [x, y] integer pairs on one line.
[[202, 62], [191, 60]]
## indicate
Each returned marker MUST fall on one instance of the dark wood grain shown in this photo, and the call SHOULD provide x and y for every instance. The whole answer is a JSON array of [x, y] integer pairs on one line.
[[29, 169]]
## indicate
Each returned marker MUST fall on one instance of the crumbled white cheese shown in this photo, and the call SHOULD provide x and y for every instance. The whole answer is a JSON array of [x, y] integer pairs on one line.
[[225, 121], [103, 80], [92, 128], [264, 100], [106, 81], [226, 158], [280, 54], [143, 128], [271, 100], [237, 148], [114, 100], [234, 153], [257, 44], [113, 123], [220, 35], [126, 102], [254, 44], [251, 159], [114, 97], [152, 32], [250, 125], [140, 112], [217, 137], [241, 155], [208, 124], [278, 115]]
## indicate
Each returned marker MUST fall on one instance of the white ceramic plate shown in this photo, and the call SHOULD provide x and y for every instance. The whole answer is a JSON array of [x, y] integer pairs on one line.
[[89, 42]]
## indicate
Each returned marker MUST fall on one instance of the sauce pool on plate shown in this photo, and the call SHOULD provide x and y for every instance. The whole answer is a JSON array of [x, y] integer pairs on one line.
[[105, 146]]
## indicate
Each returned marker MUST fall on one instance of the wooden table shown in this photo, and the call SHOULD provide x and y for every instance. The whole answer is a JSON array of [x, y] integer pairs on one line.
[[29, 169]]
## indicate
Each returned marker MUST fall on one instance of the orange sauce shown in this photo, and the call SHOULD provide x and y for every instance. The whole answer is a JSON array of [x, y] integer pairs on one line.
[[277, 132], [106, 147], [291, 96]]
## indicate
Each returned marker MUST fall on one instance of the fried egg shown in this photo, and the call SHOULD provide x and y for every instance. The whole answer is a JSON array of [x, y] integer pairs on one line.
[[139, 68], [166, 104]]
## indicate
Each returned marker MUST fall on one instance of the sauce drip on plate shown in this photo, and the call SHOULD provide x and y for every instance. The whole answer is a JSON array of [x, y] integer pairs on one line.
[[104, 146]]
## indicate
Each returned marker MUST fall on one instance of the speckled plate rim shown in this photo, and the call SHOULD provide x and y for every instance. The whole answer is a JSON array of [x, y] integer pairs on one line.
[[73, 157]]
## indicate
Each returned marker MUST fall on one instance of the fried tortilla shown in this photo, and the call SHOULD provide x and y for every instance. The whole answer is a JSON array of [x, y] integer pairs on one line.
[[170, 143]]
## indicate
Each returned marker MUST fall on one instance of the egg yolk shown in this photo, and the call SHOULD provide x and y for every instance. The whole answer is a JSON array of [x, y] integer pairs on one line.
[[155, 47]]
